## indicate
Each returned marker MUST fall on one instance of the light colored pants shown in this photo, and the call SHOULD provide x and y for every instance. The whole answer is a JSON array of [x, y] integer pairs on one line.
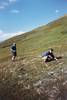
[[44, 58], [13, 58]]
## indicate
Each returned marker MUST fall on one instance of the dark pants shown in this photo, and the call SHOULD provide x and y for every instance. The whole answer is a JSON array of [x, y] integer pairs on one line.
[[49, 58], [14, 54]]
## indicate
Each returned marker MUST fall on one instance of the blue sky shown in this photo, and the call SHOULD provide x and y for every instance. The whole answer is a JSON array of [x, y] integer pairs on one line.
[[18, 16]]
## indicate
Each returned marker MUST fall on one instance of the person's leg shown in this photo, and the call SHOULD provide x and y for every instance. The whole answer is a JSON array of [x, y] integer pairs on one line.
[[49, 58], [13, 58], [15, 54], [44, 58], [52, 57]]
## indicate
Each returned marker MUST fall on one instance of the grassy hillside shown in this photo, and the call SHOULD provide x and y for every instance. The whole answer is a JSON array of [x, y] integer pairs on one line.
[[32, 43], [28, 77]]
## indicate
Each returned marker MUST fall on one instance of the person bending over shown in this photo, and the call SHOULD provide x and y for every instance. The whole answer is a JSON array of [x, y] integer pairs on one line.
[[48, 56]]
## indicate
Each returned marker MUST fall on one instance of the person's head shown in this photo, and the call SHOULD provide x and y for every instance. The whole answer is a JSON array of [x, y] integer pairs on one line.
[[51, 50]]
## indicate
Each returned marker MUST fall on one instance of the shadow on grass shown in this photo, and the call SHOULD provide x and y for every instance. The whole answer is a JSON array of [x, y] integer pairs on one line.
[[49, 60], [59, 57]]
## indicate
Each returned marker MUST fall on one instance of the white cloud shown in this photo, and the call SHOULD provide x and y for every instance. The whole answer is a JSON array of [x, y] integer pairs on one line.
[[6, 3], [2, 7], [1, 32], [57, 11], [12, 1], [4, 36], [15, 11]]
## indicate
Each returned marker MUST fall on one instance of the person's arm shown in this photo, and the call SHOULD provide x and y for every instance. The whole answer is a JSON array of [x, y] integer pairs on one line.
[[54, 56], [13, 49]]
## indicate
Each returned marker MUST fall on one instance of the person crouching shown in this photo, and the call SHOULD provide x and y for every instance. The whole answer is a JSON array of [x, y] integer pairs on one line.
[[48, 56]]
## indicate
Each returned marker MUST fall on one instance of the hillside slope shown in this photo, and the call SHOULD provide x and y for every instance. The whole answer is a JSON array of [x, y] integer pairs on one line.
[[53, 35], [28, 78]]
